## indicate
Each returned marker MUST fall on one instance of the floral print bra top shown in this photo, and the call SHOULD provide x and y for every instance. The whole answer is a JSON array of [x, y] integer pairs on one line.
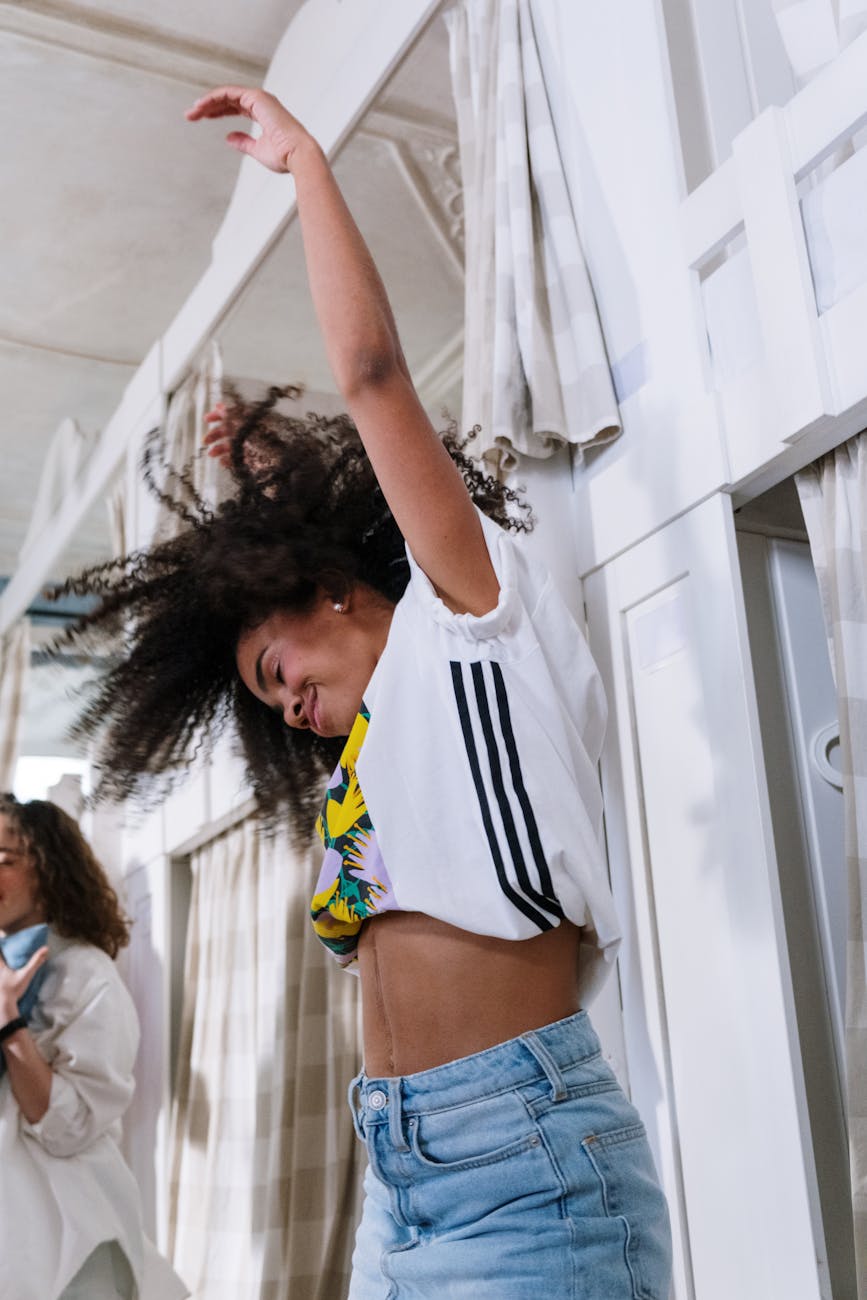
[[353, 883]]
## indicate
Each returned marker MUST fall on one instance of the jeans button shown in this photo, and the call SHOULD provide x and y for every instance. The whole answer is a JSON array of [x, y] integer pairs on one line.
[[377, 1100]]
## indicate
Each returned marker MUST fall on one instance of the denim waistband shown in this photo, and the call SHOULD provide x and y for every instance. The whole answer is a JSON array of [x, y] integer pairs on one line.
[[537, 1054]]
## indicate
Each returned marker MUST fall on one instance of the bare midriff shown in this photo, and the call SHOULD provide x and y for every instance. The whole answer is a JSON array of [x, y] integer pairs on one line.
[[432, 993]]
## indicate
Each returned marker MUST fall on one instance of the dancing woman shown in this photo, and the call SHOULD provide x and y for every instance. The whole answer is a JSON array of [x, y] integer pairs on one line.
[[393, 660]]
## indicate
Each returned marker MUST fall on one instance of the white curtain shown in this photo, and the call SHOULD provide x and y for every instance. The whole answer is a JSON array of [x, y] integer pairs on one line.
[[833, 495], [14, 668], [66, 455], [815, 31], [536, 374], [265, 1185], [181, 450]]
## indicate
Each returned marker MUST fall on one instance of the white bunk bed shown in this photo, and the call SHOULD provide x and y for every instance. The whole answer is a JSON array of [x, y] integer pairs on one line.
[[785, 312]]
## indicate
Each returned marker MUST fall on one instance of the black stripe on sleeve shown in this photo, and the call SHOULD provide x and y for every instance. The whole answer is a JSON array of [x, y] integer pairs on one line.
[[547, 900], [520, 789], [514, 897]]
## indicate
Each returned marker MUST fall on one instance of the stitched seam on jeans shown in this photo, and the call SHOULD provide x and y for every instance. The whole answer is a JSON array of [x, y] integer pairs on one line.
[[587, 1145], [474, 1162], [410, 1109]]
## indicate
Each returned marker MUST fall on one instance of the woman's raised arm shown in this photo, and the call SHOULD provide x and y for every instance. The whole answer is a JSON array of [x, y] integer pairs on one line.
[[424, 490]]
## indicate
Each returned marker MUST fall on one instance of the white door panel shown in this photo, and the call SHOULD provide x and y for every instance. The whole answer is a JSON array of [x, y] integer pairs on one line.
[[710, 1032]]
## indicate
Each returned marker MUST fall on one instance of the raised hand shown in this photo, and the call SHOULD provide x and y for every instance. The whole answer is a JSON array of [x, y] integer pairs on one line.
[[13, 984], [218, 438], [280, 135]]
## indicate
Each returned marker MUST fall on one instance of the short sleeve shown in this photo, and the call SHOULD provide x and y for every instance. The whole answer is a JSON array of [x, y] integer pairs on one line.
[[92, 1053], [505, 622]]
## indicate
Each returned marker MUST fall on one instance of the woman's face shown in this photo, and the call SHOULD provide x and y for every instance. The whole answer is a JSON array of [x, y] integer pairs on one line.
[[20, 906], [313, 667]]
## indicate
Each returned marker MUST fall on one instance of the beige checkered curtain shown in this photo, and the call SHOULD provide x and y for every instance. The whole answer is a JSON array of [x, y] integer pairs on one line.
[[834, 500], [266, 1167], [14, 667], [536, 374]]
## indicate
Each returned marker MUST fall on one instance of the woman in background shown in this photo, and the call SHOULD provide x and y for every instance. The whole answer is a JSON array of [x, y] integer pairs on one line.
[[70, 1218]]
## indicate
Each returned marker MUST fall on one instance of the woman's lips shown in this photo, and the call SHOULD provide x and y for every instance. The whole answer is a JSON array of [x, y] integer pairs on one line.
[[311, 708]]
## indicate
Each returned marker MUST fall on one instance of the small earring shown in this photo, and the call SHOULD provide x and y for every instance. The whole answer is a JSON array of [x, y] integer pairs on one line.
[[338, 608]]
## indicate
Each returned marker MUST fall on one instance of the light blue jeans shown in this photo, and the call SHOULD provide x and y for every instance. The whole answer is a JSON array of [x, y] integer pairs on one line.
[[519, 1173]]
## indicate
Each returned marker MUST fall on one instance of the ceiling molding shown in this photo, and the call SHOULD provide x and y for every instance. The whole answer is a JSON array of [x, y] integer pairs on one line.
[[112, 40], [426, 153], [396, 118], [31, 345], [431, 173]]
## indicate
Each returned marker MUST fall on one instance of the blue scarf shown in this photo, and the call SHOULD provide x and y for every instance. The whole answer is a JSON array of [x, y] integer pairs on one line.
[[17, 949]]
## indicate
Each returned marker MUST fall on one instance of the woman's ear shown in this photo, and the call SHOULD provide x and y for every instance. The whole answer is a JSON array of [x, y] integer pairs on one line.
[[338, 590]]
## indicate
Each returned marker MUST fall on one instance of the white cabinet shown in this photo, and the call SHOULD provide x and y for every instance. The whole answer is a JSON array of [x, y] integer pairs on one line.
[[708, 1011]]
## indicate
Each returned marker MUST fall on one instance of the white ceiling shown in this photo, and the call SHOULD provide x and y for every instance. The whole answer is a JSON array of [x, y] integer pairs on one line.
[[115, 200]]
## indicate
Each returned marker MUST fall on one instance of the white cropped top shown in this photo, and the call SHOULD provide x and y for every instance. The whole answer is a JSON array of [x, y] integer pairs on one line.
[[468, 787]]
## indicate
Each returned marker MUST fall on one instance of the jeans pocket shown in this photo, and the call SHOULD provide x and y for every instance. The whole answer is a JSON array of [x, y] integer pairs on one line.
[[631, 1193], [451, 1140]]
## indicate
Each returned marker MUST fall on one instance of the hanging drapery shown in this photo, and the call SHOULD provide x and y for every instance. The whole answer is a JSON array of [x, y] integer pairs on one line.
[[265, 1184], [536, 374], [14, 667], [833, 495], [63, 461], [179, 453]]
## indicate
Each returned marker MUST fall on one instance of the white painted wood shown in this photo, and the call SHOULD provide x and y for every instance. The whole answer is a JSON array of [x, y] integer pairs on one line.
[[725, 80], [828, 110], [711, 216], [140, 407], [709, 1021], [794, 356]]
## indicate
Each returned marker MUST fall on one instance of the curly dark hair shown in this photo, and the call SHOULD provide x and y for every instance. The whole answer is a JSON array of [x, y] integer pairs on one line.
[[74, 891], [307, 513]]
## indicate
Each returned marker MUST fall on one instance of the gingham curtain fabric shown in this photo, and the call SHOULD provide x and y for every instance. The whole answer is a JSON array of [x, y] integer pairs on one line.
[[536, 374], [14, 669], [833, 495], [265, 1187]]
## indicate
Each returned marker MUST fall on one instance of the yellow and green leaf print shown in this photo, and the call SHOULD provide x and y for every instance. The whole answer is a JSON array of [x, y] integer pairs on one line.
[[353, 883]]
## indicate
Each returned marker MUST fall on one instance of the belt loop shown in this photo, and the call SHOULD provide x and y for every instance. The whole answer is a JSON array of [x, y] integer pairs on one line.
[[395, 1116], [350, 1097], [552, 1070]]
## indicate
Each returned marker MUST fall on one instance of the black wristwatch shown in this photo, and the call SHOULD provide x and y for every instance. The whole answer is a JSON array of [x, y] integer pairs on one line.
[[12, 1028]]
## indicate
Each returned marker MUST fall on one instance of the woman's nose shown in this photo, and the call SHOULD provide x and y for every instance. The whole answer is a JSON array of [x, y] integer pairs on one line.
[[293, 712]]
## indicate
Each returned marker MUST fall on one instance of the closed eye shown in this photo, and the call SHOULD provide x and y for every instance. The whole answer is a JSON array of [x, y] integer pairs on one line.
[[277, 671]]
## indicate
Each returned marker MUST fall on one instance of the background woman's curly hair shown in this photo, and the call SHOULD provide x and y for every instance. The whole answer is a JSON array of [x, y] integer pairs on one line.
[[74, 891], [307, 514]]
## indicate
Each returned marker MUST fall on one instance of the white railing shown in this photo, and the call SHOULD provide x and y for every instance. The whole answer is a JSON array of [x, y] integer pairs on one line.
[[808, 382]]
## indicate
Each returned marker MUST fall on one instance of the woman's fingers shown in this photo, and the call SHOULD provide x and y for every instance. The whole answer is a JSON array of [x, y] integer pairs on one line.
[[223, 101], [241, 141], [39, 958]]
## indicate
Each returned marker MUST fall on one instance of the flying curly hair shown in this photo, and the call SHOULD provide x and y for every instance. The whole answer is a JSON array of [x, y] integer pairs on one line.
[[74, 891], [307, 514]]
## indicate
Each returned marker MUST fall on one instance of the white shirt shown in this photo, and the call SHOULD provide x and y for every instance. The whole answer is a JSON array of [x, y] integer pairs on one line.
[[64, 1185], [473, 781]]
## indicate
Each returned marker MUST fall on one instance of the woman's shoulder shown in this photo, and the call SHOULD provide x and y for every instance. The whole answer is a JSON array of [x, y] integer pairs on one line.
[[77, 970]]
